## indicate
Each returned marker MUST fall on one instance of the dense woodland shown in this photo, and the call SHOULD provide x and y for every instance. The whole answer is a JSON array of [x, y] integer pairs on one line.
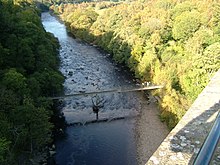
[[28, 74], [175, 43]]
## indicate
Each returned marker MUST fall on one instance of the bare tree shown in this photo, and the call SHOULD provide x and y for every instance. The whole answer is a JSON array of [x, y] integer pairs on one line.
[[97, 103]]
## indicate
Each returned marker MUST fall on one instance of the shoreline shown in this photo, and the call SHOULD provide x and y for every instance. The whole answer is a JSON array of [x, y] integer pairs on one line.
[[150, 111]]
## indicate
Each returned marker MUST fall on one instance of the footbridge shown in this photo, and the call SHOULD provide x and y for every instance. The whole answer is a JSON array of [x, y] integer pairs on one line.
[[116, 90], [195, 139]]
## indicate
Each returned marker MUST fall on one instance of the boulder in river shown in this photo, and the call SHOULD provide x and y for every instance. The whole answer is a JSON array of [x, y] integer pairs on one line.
[[70, 73]]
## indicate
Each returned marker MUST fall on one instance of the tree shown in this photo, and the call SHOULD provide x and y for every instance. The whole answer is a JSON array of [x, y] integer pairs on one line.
[[4, 148], [26, 51], [32, 126], [169, 42], [15, 81], [144, 69], [185, 25]]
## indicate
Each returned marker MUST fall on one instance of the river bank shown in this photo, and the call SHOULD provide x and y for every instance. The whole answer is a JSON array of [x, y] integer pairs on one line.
[[113, 142]]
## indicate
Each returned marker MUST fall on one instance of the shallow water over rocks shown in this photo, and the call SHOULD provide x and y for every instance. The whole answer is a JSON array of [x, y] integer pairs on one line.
[[130, 140]]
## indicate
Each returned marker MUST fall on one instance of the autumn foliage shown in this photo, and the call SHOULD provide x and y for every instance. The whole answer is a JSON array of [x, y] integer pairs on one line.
[[168, 42]]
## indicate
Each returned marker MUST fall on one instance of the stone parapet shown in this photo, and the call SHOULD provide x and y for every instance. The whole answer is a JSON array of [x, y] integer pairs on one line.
[[184, 142]]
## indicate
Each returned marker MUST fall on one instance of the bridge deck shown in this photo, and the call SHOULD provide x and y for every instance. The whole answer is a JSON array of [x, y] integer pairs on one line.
[[116, 90]]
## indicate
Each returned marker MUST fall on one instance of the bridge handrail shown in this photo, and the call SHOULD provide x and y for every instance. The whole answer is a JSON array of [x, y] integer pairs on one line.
[[118, 90], [209, 146]]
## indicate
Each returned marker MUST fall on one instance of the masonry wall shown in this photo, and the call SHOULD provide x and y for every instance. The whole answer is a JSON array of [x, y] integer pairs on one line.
[[184, 142]]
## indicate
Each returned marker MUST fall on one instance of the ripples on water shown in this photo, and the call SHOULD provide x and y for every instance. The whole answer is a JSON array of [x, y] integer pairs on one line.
[[86, 69]]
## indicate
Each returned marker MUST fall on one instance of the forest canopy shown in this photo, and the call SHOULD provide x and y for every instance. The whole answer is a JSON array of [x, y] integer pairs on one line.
[[28, 74], [168, 42]]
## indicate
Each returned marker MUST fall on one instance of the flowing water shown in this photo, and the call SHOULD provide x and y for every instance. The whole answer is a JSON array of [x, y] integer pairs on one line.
[[128, 141]]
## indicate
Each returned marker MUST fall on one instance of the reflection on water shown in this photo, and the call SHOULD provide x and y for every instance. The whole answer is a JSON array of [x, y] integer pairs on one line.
[[112, 142], [104, 143]]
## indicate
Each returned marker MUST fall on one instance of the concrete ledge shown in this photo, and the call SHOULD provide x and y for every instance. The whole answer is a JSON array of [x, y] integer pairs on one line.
[[184, 142]]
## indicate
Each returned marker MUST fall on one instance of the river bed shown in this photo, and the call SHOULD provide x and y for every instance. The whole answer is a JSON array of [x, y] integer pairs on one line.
[[128, 141]]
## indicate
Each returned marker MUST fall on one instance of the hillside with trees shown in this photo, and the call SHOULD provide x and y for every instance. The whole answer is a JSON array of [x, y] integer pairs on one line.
[[28, 74], [168, 42]]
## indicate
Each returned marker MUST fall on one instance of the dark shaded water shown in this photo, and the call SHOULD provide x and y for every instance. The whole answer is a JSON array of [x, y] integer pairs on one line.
[[115, 142]]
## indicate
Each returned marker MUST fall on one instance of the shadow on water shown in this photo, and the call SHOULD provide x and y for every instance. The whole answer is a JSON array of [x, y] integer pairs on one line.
[[96, 121], [111, 139]]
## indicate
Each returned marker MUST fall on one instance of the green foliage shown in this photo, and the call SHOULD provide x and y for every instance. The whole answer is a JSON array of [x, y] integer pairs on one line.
[[80, 22], [14, 81], [145, 65], [4, 148], [216, 17], [28, 73], [166, 4], [32, 126], [185, 6], [185, 25], [211, 60], [174, 43], [49, 81], [200, 40]]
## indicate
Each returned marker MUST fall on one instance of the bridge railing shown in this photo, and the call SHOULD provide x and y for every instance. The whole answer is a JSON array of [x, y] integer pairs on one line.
[[207, 151], [116, 90]]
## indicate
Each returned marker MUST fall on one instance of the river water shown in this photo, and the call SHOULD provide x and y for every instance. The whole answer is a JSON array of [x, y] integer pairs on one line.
[[128, 141]]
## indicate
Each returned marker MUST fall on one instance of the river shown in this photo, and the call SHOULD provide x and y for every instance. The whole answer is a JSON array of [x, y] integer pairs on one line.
[[128, 141]]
